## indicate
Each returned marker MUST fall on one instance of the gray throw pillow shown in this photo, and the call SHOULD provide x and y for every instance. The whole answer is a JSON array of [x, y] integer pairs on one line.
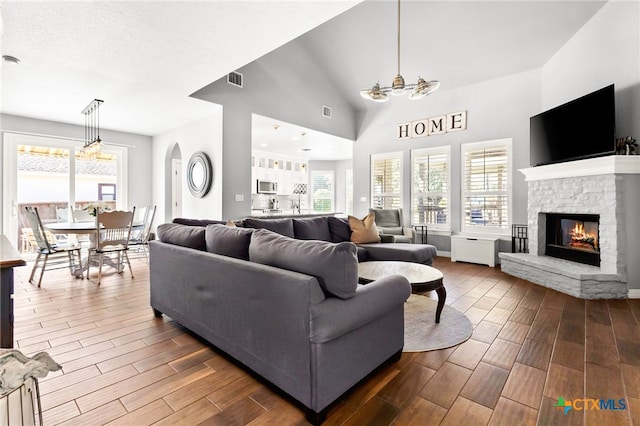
[[340, 230], [182, 235], [312, 228], [335, 265], [228, 241], [281, 226]]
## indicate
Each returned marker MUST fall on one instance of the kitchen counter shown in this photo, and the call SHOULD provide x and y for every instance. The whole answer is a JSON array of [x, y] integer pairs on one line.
[[290, 213]]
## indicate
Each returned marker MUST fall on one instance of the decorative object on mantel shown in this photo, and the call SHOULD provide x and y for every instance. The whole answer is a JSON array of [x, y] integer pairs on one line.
[[418, 90], [626, 146], [92, 142]]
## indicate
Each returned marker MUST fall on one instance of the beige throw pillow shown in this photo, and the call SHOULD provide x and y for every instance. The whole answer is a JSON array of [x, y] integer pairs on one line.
[[365, 230], [231, 223]]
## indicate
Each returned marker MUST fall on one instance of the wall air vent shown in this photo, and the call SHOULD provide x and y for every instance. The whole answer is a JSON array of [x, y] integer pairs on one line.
[[326, 111], [234, 78]]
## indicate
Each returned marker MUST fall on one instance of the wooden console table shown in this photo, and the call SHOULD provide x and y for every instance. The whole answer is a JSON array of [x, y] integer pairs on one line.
[[9, 259]]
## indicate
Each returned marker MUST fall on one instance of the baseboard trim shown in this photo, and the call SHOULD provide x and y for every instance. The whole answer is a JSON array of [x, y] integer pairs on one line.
[[443, 253], [634, 293]]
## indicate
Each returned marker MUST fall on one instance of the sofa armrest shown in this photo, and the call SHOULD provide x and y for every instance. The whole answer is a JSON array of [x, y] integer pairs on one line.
[[335, 317]]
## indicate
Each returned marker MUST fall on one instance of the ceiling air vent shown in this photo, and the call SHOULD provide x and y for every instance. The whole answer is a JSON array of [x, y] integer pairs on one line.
[[234, 78], [326, 111]]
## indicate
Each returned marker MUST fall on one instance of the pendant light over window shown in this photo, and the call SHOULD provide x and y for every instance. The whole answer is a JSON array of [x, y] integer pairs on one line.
[[418, 90]]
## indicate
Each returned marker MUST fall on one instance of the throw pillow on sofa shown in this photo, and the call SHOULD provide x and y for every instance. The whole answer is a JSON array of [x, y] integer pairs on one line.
[[312, 228], [334, 264], [183, 235], [229, 241], [364, 230]]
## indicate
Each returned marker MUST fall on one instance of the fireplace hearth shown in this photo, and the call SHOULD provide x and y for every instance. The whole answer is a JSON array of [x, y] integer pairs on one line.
[[573, 237]]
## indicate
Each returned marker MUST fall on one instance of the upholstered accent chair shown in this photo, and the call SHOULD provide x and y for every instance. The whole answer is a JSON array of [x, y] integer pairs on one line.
[[390, 223]]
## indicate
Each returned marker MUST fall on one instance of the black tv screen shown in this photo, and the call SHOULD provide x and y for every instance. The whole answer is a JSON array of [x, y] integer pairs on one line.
[[581, 128]]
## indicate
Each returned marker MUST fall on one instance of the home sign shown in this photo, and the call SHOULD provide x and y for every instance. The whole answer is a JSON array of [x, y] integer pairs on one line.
[[438, 125]]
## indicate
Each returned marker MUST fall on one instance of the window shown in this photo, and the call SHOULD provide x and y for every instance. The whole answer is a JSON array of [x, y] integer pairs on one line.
[[386, 181], [486, 187], [430, 191], [322, 190], [51, 174]]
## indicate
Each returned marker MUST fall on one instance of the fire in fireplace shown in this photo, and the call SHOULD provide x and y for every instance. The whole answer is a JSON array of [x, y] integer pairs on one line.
[[573, 237]]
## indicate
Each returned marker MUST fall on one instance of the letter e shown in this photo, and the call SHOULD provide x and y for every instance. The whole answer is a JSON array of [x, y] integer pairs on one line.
[[456, 121]]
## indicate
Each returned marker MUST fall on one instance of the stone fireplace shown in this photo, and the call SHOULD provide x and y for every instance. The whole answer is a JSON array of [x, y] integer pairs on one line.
[[579, 216]]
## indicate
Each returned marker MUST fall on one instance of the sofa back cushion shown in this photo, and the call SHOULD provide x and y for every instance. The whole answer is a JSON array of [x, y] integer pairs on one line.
[[365, 230], [196, 222], [280, 226], [183, 235], [229, 241], [334, 264], [312, 228], [339, 228]]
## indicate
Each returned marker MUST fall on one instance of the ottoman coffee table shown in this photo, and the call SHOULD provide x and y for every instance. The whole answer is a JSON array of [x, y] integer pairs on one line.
[[422, 277]]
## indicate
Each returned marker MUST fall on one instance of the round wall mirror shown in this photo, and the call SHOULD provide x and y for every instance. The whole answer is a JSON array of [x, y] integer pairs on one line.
[[199, 174]]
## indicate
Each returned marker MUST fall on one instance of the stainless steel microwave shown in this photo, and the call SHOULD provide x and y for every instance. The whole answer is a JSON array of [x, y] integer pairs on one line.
[[267, 187]]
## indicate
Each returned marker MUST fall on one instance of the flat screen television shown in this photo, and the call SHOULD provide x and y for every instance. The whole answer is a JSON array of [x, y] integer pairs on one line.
[[581, 128]]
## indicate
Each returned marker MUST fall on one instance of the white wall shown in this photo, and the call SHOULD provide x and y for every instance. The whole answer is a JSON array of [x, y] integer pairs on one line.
[[204, 135], [277, 86], [496, 109], [605, 50]]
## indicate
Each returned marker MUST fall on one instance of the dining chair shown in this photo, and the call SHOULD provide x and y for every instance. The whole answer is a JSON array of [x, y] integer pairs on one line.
[[113, 230], [51, 255], [140, 242]]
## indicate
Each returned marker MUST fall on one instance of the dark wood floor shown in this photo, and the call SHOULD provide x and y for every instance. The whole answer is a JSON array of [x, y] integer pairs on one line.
[[530, 346]]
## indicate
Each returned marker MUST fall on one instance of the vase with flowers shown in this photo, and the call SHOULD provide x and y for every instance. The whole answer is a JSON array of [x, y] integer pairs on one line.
[[93, 208]]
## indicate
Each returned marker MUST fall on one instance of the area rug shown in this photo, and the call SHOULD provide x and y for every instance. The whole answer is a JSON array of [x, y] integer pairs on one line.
[[421, 333]]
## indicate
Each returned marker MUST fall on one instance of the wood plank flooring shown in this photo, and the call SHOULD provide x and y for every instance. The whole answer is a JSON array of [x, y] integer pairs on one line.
[[530, 346]]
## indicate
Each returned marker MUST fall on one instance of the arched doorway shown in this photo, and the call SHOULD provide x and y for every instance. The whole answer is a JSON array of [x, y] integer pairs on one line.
[[173, 182]]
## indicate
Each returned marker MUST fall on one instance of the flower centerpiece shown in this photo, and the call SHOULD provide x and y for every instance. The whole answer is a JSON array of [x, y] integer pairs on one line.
[[93, 208]]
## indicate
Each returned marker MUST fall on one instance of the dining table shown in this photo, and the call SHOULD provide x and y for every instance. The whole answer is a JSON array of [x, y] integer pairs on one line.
[[83, 228]]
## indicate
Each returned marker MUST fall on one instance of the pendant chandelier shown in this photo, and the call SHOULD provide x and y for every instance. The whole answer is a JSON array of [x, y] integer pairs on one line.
[[418, 90], [92, 142]]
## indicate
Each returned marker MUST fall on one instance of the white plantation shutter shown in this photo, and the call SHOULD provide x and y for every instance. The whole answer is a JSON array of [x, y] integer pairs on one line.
[[386, 181], [322, 190], [430, 187], [486, 186]]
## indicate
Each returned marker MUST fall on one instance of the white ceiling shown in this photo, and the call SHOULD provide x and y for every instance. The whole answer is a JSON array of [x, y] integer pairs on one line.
[[145, 58], [280, 137]]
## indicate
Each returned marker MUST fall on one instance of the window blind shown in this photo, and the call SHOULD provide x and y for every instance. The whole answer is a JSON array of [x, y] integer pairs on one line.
[[386, 182], [430, 184], [486, 187]]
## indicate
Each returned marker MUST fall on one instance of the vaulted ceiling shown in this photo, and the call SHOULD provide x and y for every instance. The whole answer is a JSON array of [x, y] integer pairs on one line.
[[145, 58]]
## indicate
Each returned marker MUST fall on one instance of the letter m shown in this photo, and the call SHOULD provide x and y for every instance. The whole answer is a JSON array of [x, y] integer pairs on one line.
[[609, 404]]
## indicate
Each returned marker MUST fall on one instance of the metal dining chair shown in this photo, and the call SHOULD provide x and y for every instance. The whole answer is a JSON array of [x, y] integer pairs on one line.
[[51, 255], [140, 242], [113, 231]]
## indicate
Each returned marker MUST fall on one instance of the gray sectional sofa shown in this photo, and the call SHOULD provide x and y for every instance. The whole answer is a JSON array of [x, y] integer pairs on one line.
[[291, 310]]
